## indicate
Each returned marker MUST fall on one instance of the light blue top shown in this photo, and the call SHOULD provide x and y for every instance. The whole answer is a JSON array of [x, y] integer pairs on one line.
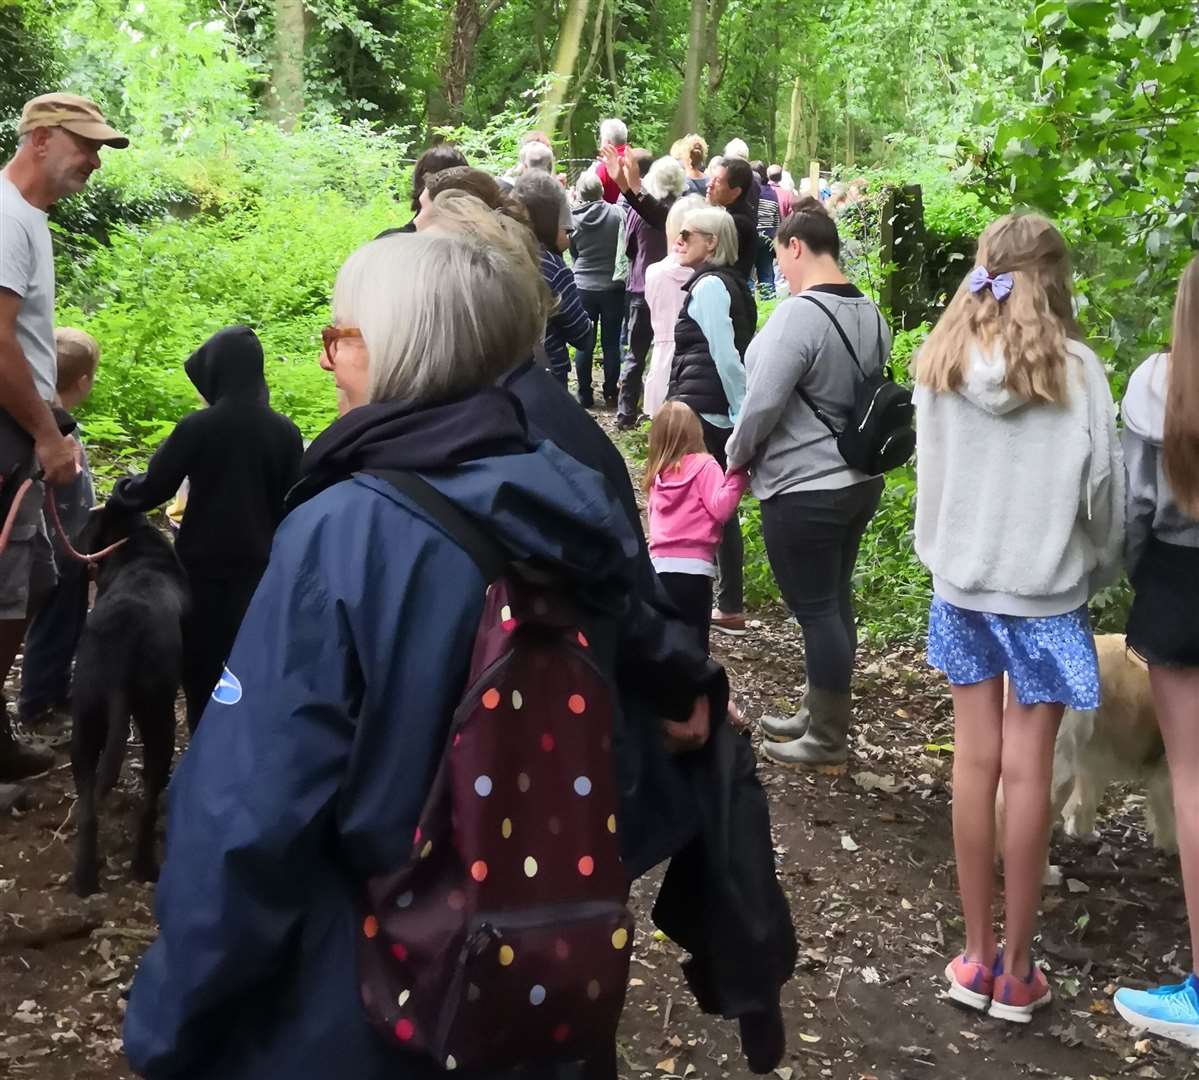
[[710, 305]]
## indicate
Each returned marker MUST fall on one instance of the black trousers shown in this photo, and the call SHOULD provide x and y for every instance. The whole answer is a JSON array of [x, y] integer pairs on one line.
[[730, 556], [812, 540], [209, 629], [692, 595], [606, 310], [632, 372]]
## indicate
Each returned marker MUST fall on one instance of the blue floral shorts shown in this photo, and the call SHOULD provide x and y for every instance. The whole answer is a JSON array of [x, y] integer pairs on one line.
[[1047, 660]]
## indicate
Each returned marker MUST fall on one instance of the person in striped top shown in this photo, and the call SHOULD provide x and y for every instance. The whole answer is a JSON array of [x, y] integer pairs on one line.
[[549, 214], [769, 219]]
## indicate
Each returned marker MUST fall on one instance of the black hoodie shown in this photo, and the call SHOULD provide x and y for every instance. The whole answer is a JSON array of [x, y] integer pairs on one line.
[[239, 456]]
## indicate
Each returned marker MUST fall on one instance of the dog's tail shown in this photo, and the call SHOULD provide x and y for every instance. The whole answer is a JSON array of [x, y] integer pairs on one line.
[[115, 743]]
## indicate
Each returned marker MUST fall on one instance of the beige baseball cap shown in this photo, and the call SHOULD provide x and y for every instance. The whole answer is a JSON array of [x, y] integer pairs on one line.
[[74, 114]]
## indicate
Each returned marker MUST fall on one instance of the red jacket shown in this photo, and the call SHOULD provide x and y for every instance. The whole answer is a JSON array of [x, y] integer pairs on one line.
[[611, 191]]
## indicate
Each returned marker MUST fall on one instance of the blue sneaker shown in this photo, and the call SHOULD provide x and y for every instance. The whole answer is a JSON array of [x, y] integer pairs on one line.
[[1169, 1011]]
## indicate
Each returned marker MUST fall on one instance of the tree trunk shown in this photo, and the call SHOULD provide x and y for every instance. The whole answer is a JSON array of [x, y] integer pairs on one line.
[[712, 44], [565, 56], [609, 35], [793, 126], [468, 20], [286, 95], [585, 75], [686, 117]]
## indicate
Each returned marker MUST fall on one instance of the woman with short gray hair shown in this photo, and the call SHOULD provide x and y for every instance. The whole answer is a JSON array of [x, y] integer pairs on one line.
[[715, 327], [308, 776]]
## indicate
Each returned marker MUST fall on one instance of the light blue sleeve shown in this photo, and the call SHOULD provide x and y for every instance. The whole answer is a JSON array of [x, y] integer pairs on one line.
[[710, 304]]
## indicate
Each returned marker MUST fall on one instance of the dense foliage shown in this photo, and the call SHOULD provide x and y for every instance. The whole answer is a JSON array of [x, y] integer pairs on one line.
[[270, 137]]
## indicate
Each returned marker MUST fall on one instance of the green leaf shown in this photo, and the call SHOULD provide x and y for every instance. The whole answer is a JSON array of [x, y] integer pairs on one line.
[[1088, 13]]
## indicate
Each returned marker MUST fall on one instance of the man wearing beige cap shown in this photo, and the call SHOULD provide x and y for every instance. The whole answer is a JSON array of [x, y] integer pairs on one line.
[[61, 136]]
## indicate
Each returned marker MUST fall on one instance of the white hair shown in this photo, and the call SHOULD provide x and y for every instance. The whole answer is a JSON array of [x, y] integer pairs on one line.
[[440, 315], [589, 188], [717, 222], [536, 155], [613, 131], [736, 148], [665, 178], [678, 214], [718, 160]]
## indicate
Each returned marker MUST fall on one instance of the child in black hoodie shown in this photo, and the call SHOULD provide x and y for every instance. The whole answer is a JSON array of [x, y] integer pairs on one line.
[[240, 457]]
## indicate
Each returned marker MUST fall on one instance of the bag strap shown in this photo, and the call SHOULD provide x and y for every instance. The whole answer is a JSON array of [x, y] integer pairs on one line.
[[844, 337], [484, 552]]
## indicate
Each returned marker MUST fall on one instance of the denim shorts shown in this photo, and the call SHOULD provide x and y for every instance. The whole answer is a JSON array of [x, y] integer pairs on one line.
[[1048, 660]]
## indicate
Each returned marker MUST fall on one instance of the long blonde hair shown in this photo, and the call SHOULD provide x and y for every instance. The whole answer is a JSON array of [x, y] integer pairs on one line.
[[1032, 324], [675, 433], [1180, 448]]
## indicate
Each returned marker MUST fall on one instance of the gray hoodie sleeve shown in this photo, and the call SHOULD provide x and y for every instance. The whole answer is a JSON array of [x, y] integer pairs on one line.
[[1140, 470], [775, 362], [1105, 486]]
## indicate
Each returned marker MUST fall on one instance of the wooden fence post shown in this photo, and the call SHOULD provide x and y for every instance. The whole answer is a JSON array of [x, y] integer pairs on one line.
[[903, 293]]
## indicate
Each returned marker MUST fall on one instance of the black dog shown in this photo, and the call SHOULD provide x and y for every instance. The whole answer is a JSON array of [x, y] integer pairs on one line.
[[128, 665]]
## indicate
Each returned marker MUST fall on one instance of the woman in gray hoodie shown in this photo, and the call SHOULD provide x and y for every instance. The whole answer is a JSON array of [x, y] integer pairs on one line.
[[1019, 517], [1161, 454]]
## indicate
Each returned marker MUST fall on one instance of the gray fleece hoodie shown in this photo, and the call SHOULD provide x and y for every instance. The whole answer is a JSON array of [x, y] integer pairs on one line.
[[594, 247], [1019, 506], [787, 448], [1151, 507]]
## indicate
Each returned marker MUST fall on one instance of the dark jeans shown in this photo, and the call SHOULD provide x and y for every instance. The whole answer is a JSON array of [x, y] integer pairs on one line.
[[606, 310], [730, 554], [209, 630], [692, 595], [764, 267], [812, 540], [632, 372], [51, 640]]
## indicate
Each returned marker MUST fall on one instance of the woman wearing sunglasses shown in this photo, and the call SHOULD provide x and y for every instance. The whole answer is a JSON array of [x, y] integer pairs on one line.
[[714, 329]]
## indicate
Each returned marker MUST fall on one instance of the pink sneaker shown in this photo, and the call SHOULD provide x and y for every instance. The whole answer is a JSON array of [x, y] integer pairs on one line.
[[970, 982], [1016, 999]]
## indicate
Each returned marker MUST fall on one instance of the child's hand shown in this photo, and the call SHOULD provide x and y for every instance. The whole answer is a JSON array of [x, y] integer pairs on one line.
[[693, 732]]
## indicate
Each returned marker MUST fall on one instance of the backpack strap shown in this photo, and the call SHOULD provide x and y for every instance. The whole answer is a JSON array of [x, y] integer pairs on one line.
[[485, 553], [844, 337]]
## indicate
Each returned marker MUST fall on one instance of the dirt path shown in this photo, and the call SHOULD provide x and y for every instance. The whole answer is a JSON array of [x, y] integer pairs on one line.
[[866, 860]]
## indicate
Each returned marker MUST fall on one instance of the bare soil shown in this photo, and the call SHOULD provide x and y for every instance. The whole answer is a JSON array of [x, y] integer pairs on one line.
[[866, 860]]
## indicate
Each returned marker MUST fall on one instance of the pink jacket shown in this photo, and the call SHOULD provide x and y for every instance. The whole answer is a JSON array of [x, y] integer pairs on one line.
[[688, 506]]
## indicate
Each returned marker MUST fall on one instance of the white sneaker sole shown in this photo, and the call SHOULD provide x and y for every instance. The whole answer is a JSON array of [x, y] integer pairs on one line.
[[729, 631], [964, 996], [1017, 1014], [1187, 1034]]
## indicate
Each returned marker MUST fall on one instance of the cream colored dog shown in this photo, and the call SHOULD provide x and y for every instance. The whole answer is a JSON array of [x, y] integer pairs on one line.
[[1117, 743]]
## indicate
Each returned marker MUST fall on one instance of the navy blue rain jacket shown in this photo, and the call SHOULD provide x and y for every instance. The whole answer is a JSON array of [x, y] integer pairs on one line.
[[310, 768]]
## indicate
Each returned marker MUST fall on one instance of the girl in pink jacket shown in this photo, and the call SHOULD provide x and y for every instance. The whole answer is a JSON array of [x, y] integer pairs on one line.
[[690, 499]]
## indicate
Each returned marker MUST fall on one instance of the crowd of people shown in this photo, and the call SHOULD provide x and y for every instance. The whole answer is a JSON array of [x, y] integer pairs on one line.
[[343, 610]]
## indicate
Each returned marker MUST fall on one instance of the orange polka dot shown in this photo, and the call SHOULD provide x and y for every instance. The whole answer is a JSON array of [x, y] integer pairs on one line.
[[586, 866], [478, 870], [405, 1029], [583, 640], [547, 742], [400, 951], [370, 926], [491, 698], [562, 949], [577, 704], [561, 1033]]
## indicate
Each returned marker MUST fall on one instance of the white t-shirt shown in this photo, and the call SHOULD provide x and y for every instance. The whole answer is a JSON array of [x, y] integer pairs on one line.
[[27, 269]]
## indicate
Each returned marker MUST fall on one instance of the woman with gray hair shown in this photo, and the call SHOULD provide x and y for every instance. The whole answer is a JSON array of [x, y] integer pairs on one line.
[[308, 776], [715, 327], [596, 246]]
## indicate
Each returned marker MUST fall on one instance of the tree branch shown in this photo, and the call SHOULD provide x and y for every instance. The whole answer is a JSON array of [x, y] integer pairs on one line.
[[490, 9]]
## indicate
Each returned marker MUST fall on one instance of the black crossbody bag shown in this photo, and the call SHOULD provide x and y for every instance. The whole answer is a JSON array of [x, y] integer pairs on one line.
[[880, 434]]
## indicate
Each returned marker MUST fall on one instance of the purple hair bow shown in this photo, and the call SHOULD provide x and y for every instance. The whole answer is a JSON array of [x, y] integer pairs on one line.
[[1001, 284]]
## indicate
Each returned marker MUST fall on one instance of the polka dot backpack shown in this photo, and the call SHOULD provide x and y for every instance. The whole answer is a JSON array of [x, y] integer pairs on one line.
[[506, 938]]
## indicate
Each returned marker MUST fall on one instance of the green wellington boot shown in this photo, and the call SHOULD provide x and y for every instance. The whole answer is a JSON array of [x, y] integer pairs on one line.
[[784, 728], [825, 744]]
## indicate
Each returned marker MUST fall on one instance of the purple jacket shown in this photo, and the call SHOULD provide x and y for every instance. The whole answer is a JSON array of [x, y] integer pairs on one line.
[[645, 245]]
